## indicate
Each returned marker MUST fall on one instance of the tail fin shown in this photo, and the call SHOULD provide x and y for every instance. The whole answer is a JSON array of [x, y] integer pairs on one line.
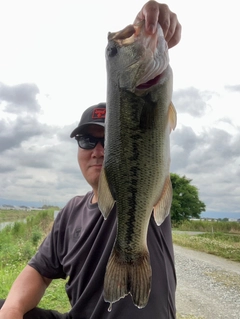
[[123, 277]]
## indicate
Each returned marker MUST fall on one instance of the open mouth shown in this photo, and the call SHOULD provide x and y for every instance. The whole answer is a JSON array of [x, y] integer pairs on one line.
[[149, 83]]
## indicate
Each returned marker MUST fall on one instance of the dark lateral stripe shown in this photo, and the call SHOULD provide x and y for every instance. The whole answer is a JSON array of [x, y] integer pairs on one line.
[[132, 189]]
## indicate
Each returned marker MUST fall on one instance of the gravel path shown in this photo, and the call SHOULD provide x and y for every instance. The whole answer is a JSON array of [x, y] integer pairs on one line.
[[208, 286]]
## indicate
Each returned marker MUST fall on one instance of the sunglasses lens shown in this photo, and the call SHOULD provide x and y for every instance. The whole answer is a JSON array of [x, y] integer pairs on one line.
[[89, 142], [86, 142]]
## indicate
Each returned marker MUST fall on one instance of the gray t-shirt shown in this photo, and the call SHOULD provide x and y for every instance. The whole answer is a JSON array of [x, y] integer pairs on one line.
[[79, 246]]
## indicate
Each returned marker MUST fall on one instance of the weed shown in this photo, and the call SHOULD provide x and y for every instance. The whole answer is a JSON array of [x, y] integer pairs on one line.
[[18, 243], [55, 297], [224, 245], [210, 226], [36, 236]]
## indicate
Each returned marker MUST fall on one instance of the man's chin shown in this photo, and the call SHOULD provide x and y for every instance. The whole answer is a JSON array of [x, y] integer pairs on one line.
[[94, 173]]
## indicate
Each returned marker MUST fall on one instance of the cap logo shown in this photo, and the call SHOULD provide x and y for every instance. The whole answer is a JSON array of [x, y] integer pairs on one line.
[[99, 113]]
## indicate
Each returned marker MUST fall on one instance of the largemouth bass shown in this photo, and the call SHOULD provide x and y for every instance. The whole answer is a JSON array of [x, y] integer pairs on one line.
[[135, 174]]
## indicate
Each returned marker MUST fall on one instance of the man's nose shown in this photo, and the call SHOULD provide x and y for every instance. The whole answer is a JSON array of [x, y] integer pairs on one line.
[[98, 150]]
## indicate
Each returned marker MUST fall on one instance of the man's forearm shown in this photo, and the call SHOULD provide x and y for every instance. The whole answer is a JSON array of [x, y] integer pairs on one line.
[[26, 292]]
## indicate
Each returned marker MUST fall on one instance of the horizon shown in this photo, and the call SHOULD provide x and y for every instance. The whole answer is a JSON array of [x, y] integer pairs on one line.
[[35, 204]]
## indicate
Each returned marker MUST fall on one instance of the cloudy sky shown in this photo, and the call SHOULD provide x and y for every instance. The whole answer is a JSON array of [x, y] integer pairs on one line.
[[52, 67]]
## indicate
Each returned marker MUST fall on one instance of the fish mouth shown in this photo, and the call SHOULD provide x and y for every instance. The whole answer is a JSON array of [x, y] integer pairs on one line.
[[149, 83]]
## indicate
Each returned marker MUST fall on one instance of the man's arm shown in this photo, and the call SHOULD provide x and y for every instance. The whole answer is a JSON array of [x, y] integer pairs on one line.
[[25, 294]]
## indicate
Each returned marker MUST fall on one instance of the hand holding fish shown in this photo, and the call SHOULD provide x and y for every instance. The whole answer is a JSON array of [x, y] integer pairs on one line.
[[154, 12]]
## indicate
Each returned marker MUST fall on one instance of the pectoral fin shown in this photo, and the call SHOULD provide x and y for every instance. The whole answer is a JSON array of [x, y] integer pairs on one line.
[[105, 199], [163, 206]]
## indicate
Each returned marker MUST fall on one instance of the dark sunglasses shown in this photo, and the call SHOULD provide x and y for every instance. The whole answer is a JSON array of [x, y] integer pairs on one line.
[[88, 142]]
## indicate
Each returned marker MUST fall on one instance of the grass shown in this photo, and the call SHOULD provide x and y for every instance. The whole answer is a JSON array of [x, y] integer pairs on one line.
[[219, 238], [9, 215], [210, 226], [8, 274], [54, 298], [18, 243]]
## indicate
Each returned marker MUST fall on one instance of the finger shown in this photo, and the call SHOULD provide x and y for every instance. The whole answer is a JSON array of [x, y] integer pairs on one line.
[[170, 25], [154, 12], [149, 12], [175, 37], [164, 18]]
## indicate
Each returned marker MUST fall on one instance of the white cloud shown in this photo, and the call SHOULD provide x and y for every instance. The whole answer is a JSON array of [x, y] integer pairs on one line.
[[53, 67]]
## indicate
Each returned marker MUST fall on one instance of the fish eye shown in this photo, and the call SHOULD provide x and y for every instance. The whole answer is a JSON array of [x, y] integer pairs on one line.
[[112, 51]]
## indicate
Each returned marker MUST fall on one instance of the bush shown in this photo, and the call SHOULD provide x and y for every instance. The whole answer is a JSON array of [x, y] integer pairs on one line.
[[36, 236], [18, 243]]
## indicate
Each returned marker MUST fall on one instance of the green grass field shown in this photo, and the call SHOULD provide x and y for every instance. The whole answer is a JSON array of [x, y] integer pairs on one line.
[[18, 243], [218, 238], [211, 226], [9, 215]]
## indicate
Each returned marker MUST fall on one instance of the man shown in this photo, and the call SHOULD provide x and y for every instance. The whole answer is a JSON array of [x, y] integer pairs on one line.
[[80, 242]]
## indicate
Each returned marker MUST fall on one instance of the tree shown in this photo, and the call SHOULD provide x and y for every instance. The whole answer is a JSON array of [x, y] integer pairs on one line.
[[186, 203]]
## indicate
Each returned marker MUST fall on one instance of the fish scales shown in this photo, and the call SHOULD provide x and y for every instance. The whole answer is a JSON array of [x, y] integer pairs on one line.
[[129, 179], [135, 172]]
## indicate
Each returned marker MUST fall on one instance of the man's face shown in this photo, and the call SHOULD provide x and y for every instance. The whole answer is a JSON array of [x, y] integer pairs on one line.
[[90, 161]]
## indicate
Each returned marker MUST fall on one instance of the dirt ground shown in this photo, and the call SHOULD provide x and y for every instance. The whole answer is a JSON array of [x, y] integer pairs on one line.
[[208, 287]]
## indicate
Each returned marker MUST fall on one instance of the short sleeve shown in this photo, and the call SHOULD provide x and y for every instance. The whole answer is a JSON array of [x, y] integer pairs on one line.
[[46, 261]]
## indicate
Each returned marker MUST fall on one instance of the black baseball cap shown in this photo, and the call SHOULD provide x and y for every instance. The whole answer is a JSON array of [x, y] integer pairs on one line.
[[93, 115]]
